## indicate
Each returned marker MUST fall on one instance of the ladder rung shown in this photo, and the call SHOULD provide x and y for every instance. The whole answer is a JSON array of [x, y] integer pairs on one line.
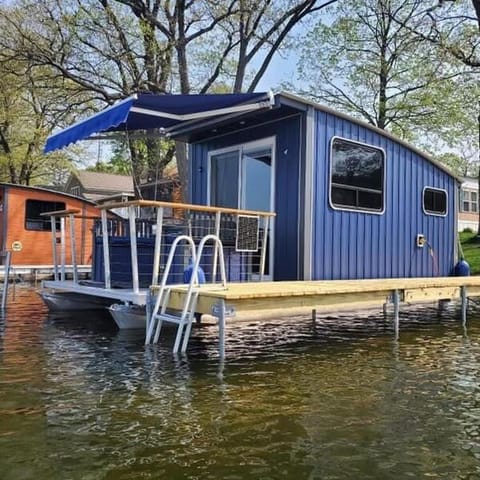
[[168, 318]]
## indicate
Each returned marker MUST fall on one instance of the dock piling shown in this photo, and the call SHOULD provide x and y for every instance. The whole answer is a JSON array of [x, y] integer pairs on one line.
[[463, 295], [221, 328], [396, 312]]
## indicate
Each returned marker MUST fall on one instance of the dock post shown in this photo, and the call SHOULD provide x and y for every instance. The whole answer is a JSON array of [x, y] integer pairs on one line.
[[221, 328], [314, 316], [463, 293], [396, 311], [6, 275], [148, 313]]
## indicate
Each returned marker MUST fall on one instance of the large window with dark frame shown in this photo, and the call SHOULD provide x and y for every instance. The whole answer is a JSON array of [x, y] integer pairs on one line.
[[33, 217], [357, 176], [434, 201]]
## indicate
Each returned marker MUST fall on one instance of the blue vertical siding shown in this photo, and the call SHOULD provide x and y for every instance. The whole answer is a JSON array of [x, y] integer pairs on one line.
[[288, 133], [362, 245]]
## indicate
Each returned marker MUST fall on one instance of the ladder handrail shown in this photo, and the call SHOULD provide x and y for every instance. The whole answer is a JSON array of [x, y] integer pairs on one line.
[[219, 246], [184, 320], [150, 324]]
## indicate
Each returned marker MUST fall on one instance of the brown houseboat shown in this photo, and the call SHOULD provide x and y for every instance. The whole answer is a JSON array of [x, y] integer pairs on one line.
[[27, 234]]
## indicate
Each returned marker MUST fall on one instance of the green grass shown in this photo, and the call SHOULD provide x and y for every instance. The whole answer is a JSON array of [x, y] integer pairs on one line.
[[471, 249]]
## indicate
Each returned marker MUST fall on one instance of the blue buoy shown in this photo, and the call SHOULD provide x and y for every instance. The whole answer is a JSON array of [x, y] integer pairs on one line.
[[187, 273], [462, 269]]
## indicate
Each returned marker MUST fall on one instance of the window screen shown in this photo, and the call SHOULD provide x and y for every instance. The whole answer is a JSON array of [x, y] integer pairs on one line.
[[357, 173], [33, 219], [435, 201]]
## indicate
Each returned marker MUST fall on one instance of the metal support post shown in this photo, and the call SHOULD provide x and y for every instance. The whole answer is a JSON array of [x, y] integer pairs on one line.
[[463, 293], [396, 311], [62, 249], [218, 217], [221, 328], [73, 248], [6, 275], [148, 313], [54, 247], [263, 255], [158, 246], [133, 248]]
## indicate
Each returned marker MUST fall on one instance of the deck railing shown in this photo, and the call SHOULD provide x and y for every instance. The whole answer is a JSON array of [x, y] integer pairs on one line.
[[132, 253]]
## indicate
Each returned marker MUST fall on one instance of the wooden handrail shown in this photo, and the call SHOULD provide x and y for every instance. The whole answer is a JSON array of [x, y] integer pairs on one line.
[[184, 206], [61, 213]]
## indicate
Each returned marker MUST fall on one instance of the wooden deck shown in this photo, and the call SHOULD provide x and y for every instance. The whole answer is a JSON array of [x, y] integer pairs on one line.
[[302, 295]]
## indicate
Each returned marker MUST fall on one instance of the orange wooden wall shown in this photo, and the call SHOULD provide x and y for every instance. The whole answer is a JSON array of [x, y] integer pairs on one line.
[[37, 245]]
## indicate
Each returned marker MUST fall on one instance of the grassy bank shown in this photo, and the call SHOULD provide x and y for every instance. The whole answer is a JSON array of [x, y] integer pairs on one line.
[[471, 249]]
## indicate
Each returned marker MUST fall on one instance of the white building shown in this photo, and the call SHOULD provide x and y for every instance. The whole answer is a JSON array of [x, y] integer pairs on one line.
[[468, 208]]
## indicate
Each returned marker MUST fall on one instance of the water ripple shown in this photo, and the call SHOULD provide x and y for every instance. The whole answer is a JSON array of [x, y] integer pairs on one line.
[[338, 398]]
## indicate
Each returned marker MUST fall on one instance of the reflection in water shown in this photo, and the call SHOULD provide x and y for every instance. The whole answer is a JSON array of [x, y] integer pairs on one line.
[[332, 400]]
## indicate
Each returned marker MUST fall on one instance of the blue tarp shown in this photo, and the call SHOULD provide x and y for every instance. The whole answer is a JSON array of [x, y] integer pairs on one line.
[[148, 111]]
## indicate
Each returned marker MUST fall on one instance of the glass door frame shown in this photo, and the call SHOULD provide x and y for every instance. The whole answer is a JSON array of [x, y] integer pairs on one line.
[[267, 142]]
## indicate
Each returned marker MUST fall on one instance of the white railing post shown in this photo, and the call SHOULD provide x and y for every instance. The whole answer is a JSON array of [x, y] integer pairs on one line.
[[54, 247], [106, 252], [263, 254], [218, 218], [62, 249], [158, 246], [133, 248]]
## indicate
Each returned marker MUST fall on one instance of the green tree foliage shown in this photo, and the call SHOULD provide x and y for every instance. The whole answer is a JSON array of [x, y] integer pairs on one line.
[[28, 112], [373, 67]]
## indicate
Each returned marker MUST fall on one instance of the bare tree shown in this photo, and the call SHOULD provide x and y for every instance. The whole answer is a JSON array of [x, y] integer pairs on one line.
[[111, 48]]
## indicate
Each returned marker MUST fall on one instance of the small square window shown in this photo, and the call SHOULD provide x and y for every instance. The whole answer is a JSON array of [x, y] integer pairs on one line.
[[434, 201]]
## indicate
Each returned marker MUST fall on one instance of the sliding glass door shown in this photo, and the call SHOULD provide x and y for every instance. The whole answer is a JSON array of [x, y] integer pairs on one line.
[[243, 177]]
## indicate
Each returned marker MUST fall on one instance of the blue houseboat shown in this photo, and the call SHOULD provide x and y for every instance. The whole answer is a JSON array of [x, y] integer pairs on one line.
[[324, 209], [351, 201]]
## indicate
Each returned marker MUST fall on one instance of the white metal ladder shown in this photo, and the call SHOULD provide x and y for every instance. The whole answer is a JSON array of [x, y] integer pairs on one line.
[[185, 318]]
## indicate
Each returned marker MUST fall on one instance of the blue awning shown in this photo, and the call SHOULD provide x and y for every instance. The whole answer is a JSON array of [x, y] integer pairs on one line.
[[145, 111]]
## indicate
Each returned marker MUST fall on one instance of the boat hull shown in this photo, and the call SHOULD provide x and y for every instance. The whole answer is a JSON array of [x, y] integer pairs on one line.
[[71, 301], [127, 316]]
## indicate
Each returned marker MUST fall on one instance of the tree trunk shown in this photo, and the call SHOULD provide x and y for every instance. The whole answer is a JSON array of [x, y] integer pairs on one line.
[[183, 169]]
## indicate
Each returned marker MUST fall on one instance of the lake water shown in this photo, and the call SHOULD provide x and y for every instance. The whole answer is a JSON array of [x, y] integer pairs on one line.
[[339, 399]]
